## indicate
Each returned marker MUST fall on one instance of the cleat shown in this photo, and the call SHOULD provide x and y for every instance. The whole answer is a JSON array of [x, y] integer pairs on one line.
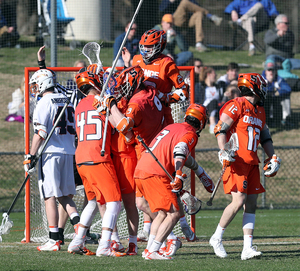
[[50, 245], [172, 246], [76, 246], [117, 246], [144, 253], [109, 252], [218, 247], [250, 253], [189, 234], [142, 236], [162, 250], [92, 238], [156, 256], [132, 249]]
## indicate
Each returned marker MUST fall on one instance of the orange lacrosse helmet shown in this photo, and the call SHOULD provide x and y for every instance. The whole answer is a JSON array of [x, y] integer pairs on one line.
[[253, 83], [197, 114], [152, 43], [128, 82], [86, 80]]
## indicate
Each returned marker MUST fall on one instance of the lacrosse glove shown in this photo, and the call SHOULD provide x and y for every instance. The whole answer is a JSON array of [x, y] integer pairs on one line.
[[95, 68], [177, 183], [28, 164], [207, 182], [272, 165], [100, 104], [226, 158]]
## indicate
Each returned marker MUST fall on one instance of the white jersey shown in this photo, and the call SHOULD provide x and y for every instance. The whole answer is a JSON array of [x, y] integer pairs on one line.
[[211, 93], [46, 112]]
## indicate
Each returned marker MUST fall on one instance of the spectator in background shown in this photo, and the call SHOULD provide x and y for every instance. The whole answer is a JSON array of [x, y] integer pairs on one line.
[[188, 14], [291, 78], [8, 25], [278, 102], [230, 93], [232, 74], [280, 42], [132, 43], [251, 15], [174, 38], [211, 95]]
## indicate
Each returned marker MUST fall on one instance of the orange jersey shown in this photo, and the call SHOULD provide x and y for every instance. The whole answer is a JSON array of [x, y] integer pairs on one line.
[[147, 112], [249, 120], [162, 147], [162, 73], [89, 129]]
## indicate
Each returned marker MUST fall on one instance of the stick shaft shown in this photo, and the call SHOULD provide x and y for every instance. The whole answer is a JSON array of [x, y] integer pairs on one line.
[[216, 187], [40, 151]]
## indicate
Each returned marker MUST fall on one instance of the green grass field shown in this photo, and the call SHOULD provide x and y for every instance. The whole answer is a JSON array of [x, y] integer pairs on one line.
[[276, 235]]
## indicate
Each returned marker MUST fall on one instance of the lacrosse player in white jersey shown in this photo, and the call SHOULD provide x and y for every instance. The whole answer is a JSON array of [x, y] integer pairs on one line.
[[56, 179]]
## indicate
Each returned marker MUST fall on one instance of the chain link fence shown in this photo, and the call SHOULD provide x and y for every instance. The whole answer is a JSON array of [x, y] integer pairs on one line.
[[282, 191]]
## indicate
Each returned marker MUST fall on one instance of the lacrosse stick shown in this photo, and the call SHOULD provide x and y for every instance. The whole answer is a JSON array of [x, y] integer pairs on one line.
[[231, 146], [112, 69], [6, 222], [92, 52], [192, 205], [109, 90]]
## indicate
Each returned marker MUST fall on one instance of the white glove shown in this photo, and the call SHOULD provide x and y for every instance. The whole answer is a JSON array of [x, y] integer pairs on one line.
[[28, 167], [226, 157], [207, 182], [272, 165]]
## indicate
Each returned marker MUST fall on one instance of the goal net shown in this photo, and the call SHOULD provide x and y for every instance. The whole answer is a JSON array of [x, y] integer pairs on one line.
[[36, 225]]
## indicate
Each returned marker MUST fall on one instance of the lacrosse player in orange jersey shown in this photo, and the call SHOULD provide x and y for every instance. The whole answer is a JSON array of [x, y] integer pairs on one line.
[[91, 165], [245, 116], [160, 71], [171, 146]]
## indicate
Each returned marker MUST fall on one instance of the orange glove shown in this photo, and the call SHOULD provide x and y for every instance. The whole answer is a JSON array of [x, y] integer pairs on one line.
[[94, 68], [100, 104], [177, 183]]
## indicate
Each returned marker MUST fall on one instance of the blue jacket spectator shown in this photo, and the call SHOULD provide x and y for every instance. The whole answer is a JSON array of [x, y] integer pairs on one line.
[[132, 43], [286, 70]]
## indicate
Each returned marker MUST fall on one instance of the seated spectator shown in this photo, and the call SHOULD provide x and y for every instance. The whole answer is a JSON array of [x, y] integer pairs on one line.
[[230, 93], [132, 43], [280, 42], [251, 15], [16, 108], [232, 73], [174, 38], [181, 10], [210, 96], [278, 102], [8, 25], [291, 78]]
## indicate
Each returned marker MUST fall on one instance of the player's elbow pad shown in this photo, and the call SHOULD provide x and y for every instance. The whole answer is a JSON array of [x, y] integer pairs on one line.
[[41, 130], [181, 150], [125, 125], [221, 128]]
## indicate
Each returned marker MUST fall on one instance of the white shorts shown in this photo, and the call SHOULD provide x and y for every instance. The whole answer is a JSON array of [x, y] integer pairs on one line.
[[56, 175]]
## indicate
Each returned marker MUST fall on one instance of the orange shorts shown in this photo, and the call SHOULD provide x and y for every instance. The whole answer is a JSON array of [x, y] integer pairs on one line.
[[125, 168], [158, 192], [243, 178], [100, 181]]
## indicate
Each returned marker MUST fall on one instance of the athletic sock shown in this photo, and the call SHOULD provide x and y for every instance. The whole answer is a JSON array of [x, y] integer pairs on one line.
[[219, 232], [105, 238], [132, 239], [147, 226], [150, 241], [115, 236], [183, 221], [155, 246], [248, 241], [172, 236]]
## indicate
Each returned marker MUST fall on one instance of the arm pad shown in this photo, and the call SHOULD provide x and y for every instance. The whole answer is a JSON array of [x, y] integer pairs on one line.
[[221, 128], [265, 136], [181, 150], [125, 125], [40, 130], [179, 95]]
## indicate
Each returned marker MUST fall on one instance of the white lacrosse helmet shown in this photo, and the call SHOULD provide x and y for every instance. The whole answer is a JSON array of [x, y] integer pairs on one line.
[[40, 81]]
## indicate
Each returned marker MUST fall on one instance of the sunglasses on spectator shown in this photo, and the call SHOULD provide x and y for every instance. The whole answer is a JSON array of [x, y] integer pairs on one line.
[[271, 70], [285, 23], [133, 28], [199, 66]]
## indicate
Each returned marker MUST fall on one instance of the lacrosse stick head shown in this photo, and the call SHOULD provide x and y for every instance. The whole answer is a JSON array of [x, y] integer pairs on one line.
[[92, 52], [196, 115], [128, 82], [192, 205], [233, 144], [253, 83], [5, 226], [86, 80], [110, 87]]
